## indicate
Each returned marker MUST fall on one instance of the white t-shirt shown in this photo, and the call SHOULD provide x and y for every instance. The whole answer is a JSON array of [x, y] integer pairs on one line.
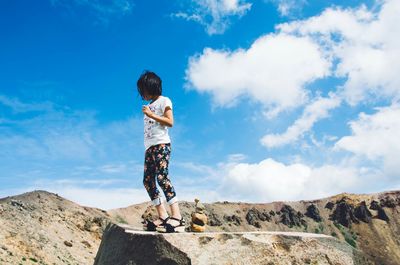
[[155, 132]]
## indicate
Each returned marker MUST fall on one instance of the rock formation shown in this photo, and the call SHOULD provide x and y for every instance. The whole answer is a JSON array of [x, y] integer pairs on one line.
[[290, 217], [362, 213], [199, 218], [313, 213], [44, 228], [121, 247], [344, 213]]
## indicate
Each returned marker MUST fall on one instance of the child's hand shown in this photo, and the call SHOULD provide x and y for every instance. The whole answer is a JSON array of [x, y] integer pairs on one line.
[[146, 110]]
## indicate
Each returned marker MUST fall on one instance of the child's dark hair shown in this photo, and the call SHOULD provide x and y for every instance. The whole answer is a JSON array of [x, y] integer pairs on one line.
[[149, 83]]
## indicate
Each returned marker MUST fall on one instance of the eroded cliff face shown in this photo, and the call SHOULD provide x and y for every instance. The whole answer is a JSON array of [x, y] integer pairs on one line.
[[122, 246]]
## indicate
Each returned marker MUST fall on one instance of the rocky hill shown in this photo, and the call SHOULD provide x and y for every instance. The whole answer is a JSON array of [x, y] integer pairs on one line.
[[44, 228]]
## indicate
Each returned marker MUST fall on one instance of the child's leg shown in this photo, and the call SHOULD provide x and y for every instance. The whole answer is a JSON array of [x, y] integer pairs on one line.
[[162, 156], [150, 183]]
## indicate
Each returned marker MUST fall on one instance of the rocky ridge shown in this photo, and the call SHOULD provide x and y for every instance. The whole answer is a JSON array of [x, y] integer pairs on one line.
[[44, 228]]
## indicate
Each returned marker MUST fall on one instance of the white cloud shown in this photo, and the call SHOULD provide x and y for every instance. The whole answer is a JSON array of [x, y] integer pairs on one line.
[[57, 133], [270, 180], [325, 138], [273, 71], [194, 167], [315, 111], [375, 136], [113, 168], [57, 143], [18, 107], [196, 174], [265, 181], [236, 157], [103, 198], [358, 45], [366, 45], [215, 15], [288, 7], [82, 182]]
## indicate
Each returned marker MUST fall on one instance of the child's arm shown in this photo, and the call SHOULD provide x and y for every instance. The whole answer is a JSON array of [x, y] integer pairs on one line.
[[167, 119]]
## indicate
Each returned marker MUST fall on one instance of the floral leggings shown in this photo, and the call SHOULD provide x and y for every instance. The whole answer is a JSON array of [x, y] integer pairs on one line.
[[156, 166]]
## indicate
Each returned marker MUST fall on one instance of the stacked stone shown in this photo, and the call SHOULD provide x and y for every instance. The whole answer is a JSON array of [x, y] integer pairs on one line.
[[199, 218]]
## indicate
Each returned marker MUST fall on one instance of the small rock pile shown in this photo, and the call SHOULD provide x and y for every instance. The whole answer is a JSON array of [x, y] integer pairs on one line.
[[199, 218]]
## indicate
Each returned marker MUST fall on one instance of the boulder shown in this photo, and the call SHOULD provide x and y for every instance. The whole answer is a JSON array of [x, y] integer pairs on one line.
[[233, 218], [362, 213], [344, 214], [374, 205], [313, 213], [253, 217], [124, 246], [381, 212], [291, 218], [329, 205], [388, 202], [382, 215]]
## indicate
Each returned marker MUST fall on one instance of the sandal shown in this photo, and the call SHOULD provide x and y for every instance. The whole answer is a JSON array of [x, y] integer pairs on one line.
[[168, 228], [151, 226]]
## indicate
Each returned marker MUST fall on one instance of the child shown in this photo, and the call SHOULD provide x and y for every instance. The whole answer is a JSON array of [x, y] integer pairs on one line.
[[158, 116]]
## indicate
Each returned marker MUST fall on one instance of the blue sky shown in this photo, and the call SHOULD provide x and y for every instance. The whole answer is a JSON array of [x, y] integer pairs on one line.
[[273, 100]]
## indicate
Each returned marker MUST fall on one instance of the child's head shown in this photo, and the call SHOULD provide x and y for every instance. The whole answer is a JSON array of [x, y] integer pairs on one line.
[[149, 85]]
